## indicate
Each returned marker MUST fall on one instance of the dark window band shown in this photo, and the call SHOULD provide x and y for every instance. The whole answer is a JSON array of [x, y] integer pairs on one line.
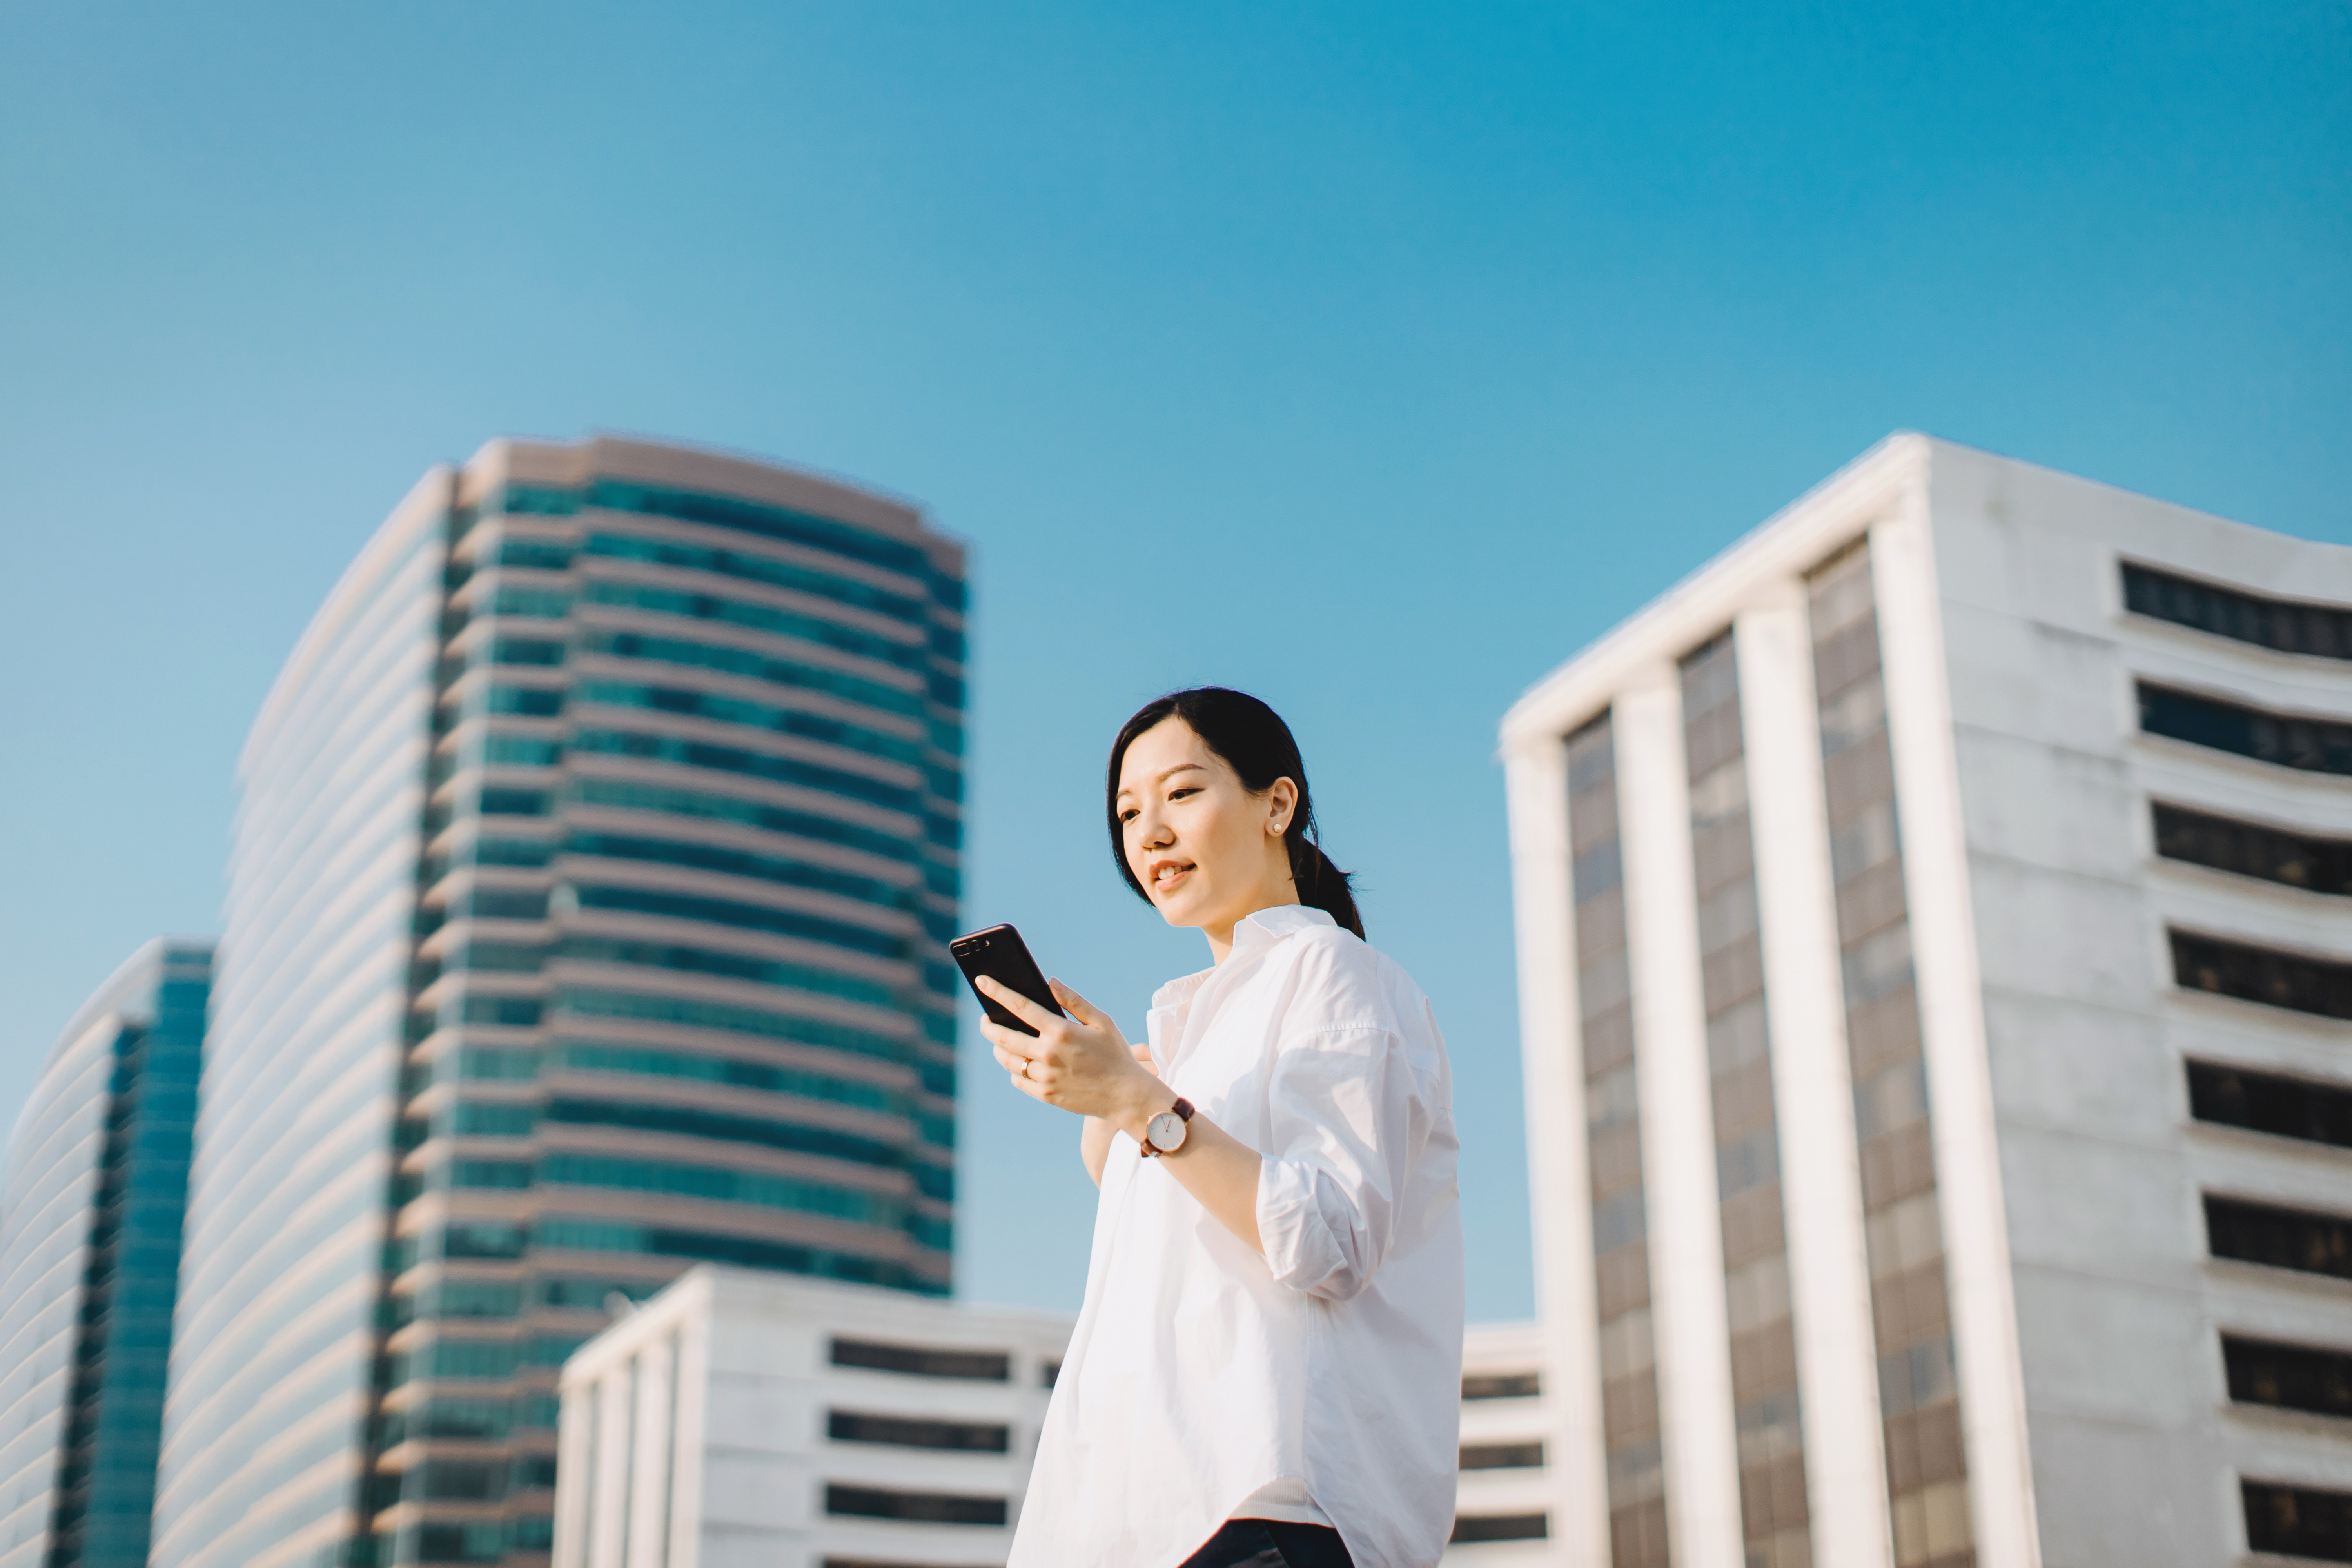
[[906, 1432], [923, 1361], [2286, 740], [1502, 1527], [2290, 1378], [2279, 1237], [2270, 1102], [1502, 1386], [1502, 1455], [2298, 1521], [2261, 974], [2249, 849], [2289, 625], [915, 1507]]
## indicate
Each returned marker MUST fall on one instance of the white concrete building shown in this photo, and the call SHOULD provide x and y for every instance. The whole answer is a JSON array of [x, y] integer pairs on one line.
[[754, 1420], [1507, 1507], [1933, 935]]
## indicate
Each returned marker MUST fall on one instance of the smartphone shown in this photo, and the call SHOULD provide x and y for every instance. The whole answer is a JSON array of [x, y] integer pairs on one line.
[[1001, 954]]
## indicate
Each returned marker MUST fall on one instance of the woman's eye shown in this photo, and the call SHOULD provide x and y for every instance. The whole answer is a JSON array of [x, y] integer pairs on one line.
[[1130, 815], [1180, 793]]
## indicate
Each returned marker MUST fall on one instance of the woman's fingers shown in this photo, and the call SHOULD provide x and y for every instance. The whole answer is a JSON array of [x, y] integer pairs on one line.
[[1017, 1005], [1080, 1008]]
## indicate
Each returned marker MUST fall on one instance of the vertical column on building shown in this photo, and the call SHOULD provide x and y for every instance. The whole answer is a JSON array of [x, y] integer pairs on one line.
[[1820, 1172], [1543, 898], [1766, 1409], [1695, 1382], [1980, 1287], [1926, 1471], [1636, 1480]]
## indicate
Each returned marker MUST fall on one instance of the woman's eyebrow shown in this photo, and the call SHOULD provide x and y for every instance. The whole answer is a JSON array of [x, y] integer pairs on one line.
[[1179, 767]]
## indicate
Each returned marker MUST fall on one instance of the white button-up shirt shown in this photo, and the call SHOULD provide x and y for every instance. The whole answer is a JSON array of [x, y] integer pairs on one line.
[[1202, 1375]]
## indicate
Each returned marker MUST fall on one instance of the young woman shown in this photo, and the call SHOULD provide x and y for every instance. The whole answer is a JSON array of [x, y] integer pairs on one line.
[[1268, 1369]]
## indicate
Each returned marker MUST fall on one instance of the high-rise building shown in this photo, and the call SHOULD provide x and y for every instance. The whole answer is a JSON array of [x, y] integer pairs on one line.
[[89, 1263], [1936, 966], [595, 858]]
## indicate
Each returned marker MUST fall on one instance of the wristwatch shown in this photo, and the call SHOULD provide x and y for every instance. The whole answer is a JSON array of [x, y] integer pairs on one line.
[[1164, 1133]]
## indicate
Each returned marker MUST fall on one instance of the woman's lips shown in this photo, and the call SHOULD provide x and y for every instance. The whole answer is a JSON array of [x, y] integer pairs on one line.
[[1164, 878]]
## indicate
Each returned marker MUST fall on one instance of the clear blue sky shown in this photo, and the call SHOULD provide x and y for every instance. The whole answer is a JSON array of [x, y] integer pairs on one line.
[[1370, 357]]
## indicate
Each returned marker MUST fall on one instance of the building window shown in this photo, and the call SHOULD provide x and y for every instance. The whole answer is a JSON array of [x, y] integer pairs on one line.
[[2261, 974], [1502, 1386], [2279, 1237], [1049, 1373], [920, 1361], [2288, 626], [2295, 859], [915, 1508], [2288, 739], [1502, 1527], [1629, 1388], [2291, 1377], [1502, 1455], [906, 1432], [2298, 1521], [2268, 1102]]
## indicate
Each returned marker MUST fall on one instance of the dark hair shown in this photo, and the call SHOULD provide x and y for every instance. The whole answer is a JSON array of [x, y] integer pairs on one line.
[[1257, 745]]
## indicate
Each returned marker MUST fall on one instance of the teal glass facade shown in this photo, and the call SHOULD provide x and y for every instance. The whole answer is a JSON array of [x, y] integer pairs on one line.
[[652, 970], [90, 1214]]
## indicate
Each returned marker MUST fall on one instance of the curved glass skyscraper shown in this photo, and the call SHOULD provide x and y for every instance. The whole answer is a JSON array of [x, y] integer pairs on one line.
[[588, 919], [89, 1261]]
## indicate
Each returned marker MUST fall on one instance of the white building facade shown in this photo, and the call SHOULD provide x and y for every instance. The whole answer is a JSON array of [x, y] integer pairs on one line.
[[752, 1420], [1933, 932]]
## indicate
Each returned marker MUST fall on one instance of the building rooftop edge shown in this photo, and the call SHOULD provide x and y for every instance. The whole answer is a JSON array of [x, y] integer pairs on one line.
[[1901, 457]]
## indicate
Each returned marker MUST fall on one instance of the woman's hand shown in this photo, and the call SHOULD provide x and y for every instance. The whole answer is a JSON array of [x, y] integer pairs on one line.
[[1080, 1063]]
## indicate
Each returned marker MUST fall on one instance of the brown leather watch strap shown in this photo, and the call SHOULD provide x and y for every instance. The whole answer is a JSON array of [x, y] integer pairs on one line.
[[1183, 1109]]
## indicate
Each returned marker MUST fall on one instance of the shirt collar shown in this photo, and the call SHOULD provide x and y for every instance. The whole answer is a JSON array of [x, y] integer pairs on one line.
[[1250, 933], [1272, 925]]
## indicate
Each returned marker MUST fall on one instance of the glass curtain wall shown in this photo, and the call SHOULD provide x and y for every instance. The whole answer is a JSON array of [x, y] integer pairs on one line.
[[89, 1264], [1772, 1503], [681, 983], [1918, 1392], [271, 1369], [1636, 1472]]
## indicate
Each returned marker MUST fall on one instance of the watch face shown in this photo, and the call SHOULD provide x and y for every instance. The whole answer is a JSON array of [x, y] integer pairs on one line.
[[1166, 1131]]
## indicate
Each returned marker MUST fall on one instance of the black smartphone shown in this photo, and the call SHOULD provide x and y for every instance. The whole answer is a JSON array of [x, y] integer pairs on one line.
[[1001, 954]]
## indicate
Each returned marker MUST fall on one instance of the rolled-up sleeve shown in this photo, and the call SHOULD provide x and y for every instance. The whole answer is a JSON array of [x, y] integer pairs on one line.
[[1346, 1127]]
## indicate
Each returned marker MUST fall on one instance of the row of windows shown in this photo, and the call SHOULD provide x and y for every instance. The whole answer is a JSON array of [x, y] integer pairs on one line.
[[2286, 625], [2249, 849], [1502, 1527], [471, 1420], [721, 708], [735, 1073], [2298, 1521], [630, 796], [910, 1431], [751, 568], [758, 618], [914, 1507], [715, 511], [738, 916], [749, 663], [477, 1239], [2291, 740], [766, 766], [2251, 974], [734, 965], [2270, 1102], [695, 1014], [729, 860], [922, 1360]]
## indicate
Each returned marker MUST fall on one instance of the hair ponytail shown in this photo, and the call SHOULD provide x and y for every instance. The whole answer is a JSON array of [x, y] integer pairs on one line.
[[1258, 746]]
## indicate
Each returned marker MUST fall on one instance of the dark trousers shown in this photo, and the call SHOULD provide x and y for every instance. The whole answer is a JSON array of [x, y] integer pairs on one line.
[[1272, 1544]]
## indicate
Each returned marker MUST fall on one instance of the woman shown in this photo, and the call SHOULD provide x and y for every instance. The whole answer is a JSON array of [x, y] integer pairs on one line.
[[1267, 1368]]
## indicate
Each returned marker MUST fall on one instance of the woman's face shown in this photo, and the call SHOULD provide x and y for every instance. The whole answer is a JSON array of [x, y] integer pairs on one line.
[[1206, 850]]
